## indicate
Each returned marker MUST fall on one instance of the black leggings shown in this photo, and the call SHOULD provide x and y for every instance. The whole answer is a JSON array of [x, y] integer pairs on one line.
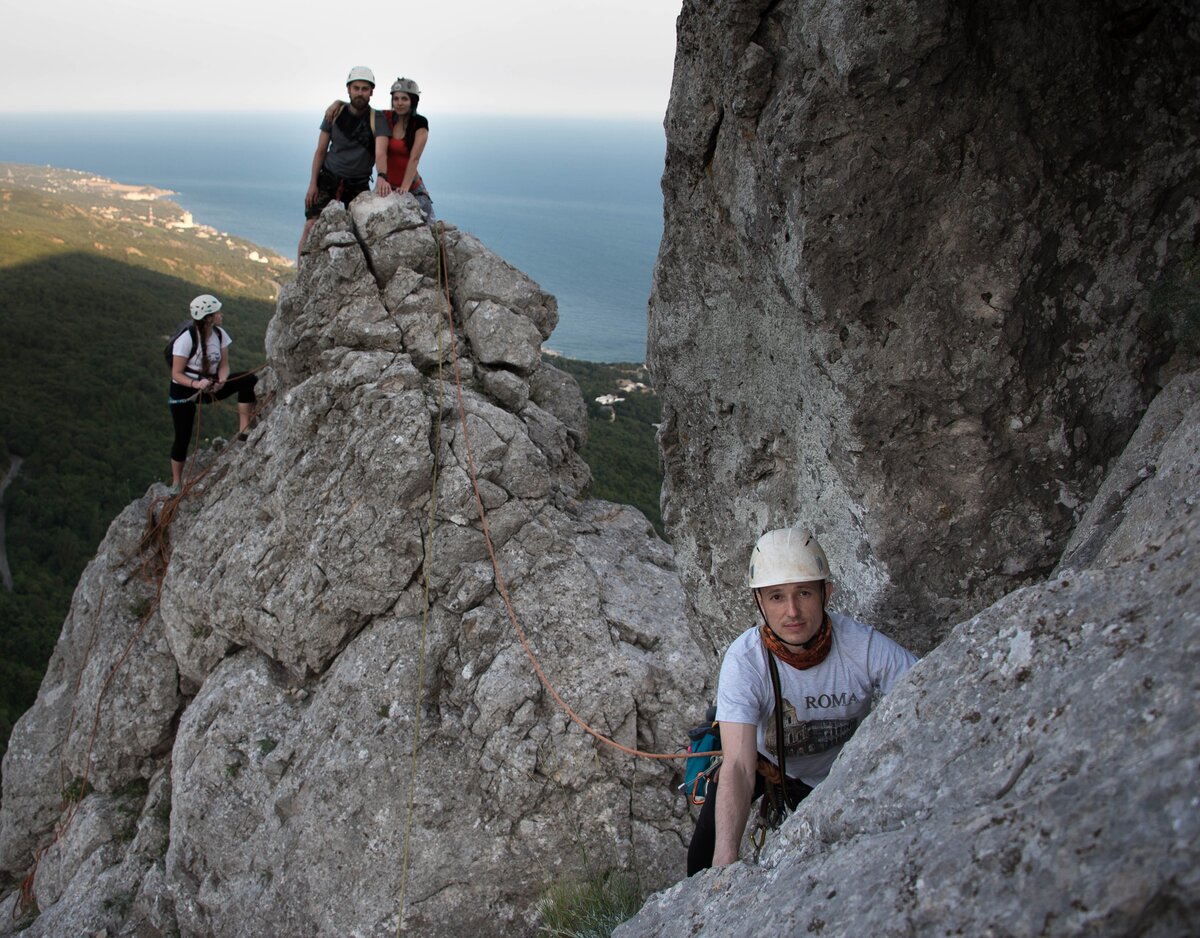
[[184, 415], [704, 838]]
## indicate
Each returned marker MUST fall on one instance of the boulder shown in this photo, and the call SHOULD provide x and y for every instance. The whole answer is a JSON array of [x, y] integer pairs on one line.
[[501, 337], [479, 275]]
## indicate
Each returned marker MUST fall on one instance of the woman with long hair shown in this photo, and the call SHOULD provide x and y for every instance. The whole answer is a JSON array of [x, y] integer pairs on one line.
[[397, 154], [200, 372]]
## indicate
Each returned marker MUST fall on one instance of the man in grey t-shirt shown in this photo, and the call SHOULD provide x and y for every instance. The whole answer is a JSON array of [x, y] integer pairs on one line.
[[829, 668], [345, 155]]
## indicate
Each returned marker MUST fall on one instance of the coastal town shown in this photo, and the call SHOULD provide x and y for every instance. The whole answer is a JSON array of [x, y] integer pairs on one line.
[[148, 206]]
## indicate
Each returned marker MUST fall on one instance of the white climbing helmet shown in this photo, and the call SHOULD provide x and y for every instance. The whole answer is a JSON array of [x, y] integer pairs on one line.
[[787, 555], [361, 73], [407, 85], [204, 305]]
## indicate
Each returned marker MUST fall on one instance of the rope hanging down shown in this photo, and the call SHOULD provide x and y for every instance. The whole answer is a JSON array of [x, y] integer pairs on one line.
[[501, 587]]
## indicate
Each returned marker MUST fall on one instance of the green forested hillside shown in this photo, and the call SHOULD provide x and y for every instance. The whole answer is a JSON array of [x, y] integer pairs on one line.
[[621, 450], [87, 303]]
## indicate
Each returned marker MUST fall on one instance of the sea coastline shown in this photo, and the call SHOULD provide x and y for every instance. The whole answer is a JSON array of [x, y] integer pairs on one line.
[[574, 204], [134, 204]]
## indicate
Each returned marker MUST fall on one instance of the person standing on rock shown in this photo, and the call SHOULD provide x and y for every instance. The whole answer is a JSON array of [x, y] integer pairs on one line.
[[200, 372], [345, 154], [829, 667], [397, 154]]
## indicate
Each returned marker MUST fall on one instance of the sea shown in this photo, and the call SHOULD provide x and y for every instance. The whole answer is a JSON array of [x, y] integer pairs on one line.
[[574, 203]]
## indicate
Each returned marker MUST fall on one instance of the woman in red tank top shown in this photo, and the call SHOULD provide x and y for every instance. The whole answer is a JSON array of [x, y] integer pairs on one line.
[[398, 154]]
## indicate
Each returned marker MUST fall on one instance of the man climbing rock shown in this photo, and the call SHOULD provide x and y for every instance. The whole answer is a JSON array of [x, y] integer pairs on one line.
[[345, 155], [803, 680]]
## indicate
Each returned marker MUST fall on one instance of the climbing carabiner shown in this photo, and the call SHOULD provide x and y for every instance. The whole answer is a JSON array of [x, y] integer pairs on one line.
[[758, 837]]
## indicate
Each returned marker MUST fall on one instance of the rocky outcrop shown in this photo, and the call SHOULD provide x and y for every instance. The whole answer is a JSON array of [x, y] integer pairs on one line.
[[903, 289], [902, 295], [328, 712], [1035, 774], [65, 738]]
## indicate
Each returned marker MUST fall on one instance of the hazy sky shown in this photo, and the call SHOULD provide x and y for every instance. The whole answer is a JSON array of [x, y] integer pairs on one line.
[[563, 57]]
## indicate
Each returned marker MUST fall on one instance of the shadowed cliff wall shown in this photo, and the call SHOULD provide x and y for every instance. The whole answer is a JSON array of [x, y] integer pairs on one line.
[[903, 289]]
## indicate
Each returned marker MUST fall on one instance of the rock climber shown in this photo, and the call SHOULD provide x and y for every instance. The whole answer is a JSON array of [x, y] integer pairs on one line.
[[397, 154], [830, 668], [200, 373], [345, 154]]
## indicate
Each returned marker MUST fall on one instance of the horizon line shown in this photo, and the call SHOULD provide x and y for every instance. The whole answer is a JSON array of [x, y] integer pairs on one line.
[[258, 112]]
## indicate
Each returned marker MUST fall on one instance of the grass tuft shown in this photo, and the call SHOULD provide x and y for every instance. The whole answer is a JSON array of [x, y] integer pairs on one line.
[[591, 908]]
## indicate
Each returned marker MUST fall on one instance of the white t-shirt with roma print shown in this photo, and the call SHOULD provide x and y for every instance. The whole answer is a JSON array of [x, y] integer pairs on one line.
[[822, 706]]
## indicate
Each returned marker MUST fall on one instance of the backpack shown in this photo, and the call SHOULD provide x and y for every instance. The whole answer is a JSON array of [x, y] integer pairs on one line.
[[699, 769], [190, 326], [341, 105]]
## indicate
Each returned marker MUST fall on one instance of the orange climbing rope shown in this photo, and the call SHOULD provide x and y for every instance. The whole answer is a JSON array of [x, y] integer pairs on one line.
[[444, 285], [501, 587]]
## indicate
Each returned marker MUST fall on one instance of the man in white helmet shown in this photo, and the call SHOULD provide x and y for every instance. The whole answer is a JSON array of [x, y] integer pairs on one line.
[[345, 155], [829, 668]]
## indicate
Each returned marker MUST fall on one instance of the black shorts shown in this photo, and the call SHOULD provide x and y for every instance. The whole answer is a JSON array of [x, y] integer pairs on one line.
[[331, 187]]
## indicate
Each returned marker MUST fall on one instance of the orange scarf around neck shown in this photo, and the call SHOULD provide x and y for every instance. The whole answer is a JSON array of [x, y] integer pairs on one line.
[[801, 657]]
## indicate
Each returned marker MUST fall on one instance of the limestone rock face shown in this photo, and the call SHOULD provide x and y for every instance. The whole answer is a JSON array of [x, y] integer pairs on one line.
[[903, 286], [328, 706], [296, 554], [1035, 774], [108, 649], [1155, 481]]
